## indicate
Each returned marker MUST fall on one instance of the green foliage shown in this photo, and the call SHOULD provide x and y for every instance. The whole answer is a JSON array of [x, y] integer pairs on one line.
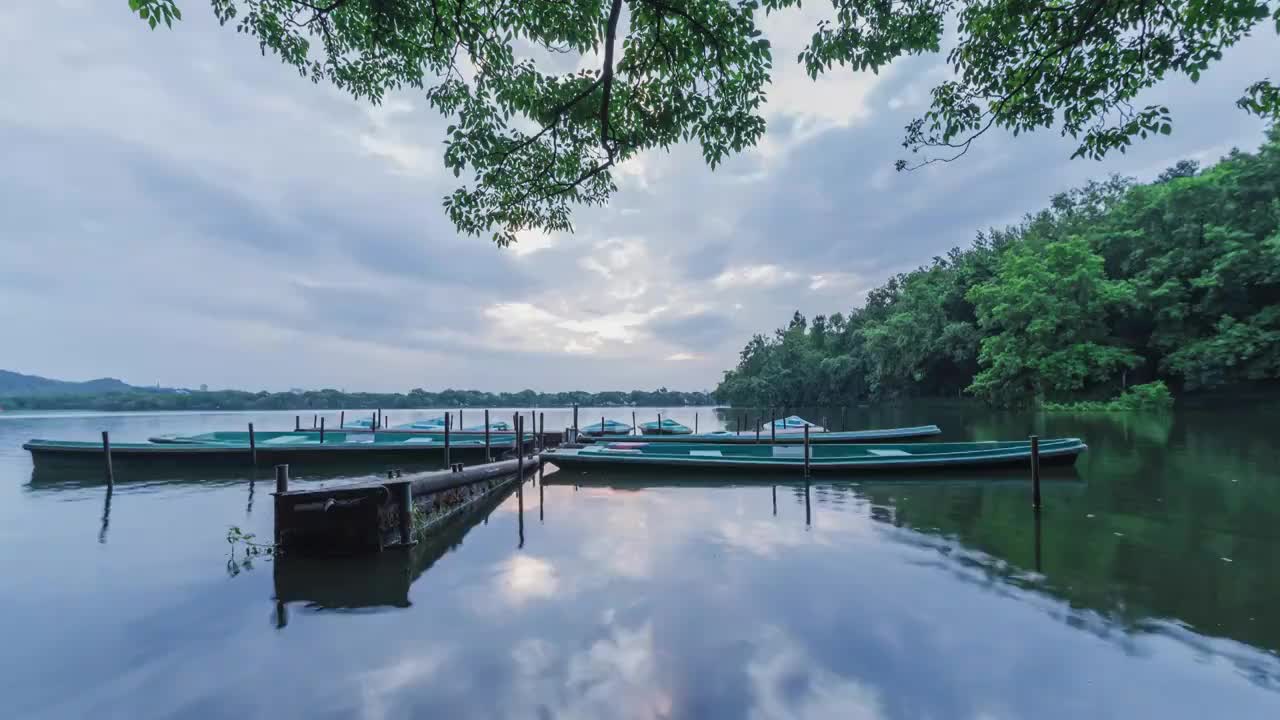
[[1175, 281], [334, 400], [533, 139], [1150, 396], [1045, 315]]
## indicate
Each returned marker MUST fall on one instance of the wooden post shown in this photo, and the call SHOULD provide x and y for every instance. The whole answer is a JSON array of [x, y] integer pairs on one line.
[[106, 454], [806, 451], [253, 446], [844, 424], [488, 455], [773, 429], [447, 421], [405, 491], [1035, 472], [297, 423], [575, 418], [542, 431], [659, 423], [282, 486], [373, 422], [460, 423], [519, 451], [321, 431], [695, 423], [775, 500], [315, 420], [757, 431], [635, 429], [342, 419]]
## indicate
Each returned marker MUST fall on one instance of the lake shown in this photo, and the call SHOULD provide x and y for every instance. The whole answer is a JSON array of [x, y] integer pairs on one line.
[[1149, 586]]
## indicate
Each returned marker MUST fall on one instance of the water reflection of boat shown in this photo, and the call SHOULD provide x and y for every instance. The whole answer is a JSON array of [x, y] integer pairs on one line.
[[373, 581]]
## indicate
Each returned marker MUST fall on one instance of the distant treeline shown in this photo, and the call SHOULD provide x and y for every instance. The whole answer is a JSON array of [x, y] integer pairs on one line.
[[336, 400], [1116, 283]]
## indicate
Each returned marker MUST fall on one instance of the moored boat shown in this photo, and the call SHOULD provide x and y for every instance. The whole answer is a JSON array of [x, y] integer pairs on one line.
[[788, 438], [605, 428], [666, 426], [273, 447], [822, 458], [793, 423]]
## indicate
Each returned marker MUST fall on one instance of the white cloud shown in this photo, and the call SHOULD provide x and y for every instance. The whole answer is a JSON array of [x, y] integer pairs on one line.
[[763, 276], [522, 578]]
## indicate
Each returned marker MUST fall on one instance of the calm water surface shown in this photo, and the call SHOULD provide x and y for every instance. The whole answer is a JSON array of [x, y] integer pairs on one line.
[[1149, 587]]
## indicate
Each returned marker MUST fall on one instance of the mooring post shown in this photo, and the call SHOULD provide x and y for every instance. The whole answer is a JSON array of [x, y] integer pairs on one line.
[[106, 454], [342, 419], [282, 486], [488, 454], [773, 429], [321, 431], [575, 419], [315, 421], [542, 431], [297, 423], [461, 425], [758, 431], [601, 424], [253, 446], [405, 500], [775, 500], [844, 424], [519, 451], [659, 430], [448, 419], [635, 429], [825, 426], [695, 423], [1035, 472], [373, 421], [806, 451]]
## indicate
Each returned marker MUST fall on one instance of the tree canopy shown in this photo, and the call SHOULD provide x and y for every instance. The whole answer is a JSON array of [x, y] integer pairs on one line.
[[1116, 283], [548, 97]]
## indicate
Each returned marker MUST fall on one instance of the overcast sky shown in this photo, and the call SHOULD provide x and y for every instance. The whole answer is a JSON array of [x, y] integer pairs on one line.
[[178, 209]]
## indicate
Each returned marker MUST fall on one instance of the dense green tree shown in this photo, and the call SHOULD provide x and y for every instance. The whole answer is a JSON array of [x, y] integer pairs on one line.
[[1114, 284], [535, 132], [1045, 316]]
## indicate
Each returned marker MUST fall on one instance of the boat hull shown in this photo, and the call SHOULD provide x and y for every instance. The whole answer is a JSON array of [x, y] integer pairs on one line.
[[945, 457]]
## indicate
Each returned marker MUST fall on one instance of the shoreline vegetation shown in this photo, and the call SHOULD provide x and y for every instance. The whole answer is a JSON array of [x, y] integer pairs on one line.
[[177, 399], [1124, 290]]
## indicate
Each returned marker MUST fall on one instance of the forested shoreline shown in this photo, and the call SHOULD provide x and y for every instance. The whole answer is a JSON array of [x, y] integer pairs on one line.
[[141, 399], [1115, 284]]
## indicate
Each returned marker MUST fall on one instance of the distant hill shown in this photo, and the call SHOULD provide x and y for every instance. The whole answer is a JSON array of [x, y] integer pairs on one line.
[[12, 383]]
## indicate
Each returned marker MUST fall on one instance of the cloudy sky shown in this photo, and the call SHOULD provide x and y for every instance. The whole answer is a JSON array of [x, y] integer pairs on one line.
[[177, 209]]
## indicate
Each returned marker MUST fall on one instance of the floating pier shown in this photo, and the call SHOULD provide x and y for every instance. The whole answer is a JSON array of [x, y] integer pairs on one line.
[[373, 516]]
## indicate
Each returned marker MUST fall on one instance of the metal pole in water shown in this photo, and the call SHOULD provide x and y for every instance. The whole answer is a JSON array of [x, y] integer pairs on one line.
[[517, 441], [757, 431], [460, 424], [695, 422], [659, 423], [405, 490], [342, 419], [806, 451], [106, 453], [488, 455], [575, 418], [321, 431], [635, 429], [447, 422], [253, 446], [297, 423], [601, 424], [1035, 472]]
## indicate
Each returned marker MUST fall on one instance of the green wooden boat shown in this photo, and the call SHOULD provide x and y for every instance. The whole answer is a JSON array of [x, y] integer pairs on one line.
[[666, 427], [240, 437], [786, 438], [605, 428], [822, 458], [271, 448]]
